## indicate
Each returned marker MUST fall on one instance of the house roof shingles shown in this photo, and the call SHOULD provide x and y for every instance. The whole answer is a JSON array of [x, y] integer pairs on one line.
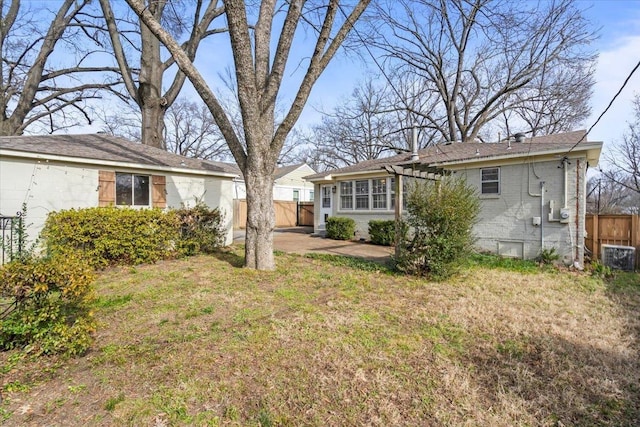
[[103, 147], [463, 152]]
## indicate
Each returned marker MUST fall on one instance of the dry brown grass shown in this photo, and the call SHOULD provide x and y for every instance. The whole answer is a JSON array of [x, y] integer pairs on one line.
[[204, 342]]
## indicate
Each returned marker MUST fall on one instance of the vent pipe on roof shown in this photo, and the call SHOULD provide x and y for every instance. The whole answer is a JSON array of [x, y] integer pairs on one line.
[[414, 144], [519, 137]]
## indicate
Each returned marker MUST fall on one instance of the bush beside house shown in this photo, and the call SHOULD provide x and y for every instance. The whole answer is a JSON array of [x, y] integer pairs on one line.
[[49, 303], [383, 232], [340, 228], [50, 298], [441, 215]]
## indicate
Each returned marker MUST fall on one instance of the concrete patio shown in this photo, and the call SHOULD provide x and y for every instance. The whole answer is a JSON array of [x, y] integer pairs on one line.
[[300, 240]]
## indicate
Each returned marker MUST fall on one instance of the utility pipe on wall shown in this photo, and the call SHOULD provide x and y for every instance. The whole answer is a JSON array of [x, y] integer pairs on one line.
[[541, 216]]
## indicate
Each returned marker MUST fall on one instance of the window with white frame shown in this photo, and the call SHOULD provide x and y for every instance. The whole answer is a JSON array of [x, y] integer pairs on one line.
[[362, 194], [379, 193], [366, 194], [326, 196], [346, 195], [296, 195], [132, 189], [392, 191], [311, 195], [490, 180]]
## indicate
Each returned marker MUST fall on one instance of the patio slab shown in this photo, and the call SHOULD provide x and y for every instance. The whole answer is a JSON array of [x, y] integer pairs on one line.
[[300, 240]]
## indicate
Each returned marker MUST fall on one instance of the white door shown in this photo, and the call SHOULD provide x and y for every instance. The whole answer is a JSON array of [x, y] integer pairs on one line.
[[326, 200]]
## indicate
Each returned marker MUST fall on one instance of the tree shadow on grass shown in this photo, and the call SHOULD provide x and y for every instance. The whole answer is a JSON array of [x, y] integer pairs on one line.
[[570, 382], [560, 382], [624, 290], [230, 256]]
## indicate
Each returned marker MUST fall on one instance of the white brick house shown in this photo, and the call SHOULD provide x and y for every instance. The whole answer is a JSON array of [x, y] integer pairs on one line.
[[55, 172], [532, 192]]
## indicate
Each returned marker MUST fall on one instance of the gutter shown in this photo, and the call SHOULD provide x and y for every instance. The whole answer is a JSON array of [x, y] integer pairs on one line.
[[113, 163], [483, 159]]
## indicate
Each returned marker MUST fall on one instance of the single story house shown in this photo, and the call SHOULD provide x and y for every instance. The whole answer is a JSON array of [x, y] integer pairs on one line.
[[289, 184], [532, 190], [55, 172]]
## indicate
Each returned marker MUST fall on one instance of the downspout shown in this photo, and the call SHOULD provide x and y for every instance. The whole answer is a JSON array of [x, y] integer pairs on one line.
[[576, 263], [541, 216], [541, 195], [565, 162]]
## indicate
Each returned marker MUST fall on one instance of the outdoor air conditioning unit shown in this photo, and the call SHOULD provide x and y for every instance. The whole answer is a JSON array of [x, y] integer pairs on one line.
[[619, 257]]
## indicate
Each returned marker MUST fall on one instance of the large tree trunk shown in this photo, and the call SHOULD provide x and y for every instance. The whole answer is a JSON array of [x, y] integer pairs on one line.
[[259, 76], [9, 127], [260, 218], [152, 104]]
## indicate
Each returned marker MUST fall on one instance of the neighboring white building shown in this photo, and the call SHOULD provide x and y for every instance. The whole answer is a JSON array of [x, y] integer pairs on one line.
[[56, 172], [532, 192], [289, 185]]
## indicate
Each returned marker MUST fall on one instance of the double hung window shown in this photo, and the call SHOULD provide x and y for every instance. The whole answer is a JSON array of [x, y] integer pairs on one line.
[[132, 189], [490, 180]]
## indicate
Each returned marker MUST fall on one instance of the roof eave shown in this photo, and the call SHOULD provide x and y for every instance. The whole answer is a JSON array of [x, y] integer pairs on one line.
[[592, 149], [96, 162]]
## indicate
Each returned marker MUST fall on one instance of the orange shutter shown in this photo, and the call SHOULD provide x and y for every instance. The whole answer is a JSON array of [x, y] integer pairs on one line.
[[158, 191], [106, 188]]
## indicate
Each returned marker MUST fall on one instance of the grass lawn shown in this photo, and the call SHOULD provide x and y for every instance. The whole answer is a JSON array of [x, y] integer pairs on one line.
[[332, 341]]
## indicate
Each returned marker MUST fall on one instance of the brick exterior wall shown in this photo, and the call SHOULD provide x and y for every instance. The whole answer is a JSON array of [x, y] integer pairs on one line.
[[506, 225]]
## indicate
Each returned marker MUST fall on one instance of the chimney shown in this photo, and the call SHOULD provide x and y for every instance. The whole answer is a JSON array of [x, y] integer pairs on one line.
[[414, 144], [519, 137]]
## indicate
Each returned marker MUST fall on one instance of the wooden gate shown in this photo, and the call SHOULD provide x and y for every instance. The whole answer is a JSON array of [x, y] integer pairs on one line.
[[305, 214], [623, 230], [288, 213]]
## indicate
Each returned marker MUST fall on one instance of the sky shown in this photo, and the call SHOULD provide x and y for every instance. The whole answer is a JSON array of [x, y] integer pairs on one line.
[[618, 24], [619, 52]]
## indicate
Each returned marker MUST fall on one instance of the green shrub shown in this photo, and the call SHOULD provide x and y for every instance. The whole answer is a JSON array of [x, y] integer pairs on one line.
[[383, 232], [50, 302], [547, 256], [340, 228], [441, 215], [201, 229], [110, 235], [600, 270]]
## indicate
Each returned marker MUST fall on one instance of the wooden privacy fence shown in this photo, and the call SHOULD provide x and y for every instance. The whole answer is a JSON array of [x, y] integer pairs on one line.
[[288, 213], [623, 230], [305, 214]]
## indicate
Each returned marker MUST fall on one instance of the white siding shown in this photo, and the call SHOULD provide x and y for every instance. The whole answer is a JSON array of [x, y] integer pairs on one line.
[[294, 180], [186, 190], [284, 187]]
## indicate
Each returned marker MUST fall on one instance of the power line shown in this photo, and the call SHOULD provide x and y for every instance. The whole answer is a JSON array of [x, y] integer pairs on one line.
[[608, 106]]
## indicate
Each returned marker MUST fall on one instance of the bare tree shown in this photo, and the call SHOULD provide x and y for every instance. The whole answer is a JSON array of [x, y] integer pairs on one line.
[[607, 196], [144, 84], [259, 76], [363, 127], [123, 121], [624, 157], [485, 60], [192, 132], [33, 90]]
